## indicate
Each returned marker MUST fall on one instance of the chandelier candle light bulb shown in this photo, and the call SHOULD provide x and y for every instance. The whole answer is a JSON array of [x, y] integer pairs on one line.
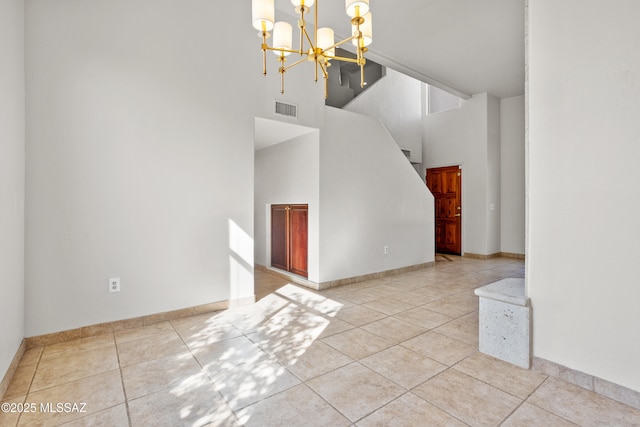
[[263, 15], [356, 8], [282, 38], [326, 41], [322, 47]]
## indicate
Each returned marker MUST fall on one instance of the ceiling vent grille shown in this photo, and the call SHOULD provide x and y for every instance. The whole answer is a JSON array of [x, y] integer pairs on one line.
[[285, 109]]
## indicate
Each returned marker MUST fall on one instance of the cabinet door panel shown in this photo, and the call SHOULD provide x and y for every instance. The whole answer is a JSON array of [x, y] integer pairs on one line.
[[298, 218], [279, 239]]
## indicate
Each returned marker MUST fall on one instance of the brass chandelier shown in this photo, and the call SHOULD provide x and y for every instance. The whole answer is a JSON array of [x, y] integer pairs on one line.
[[322, 49]]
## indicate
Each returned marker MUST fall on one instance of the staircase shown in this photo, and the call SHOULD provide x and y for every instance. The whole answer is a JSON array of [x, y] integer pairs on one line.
[[344, 79]]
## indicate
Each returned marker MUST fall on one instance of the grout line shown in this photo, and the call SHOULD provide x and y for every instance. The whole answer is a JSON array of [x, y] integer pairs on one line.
[[124, 389]]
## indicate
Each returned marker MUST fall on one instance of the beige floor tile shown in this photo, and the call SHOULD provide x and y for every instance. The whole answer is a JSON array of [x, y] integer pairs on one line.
[[99, 392], [460, 330], [394, 330], [505, 376], [472, 317], [468, 399], [159, 374], [335, 327], [113, 417], [316, 360], [404, 367], [127, 335], [229, 353], [21, 381], [290, 331], [406, 283], [65, 369], [249, 383], [31, 356], [531, 416], [388, 306], [205, 329], [581, 406], [441, 291], [150, 348], [440, 348], [416, 297], [360, 296], [410, 411], [359, 315], [312, 300], [198, 406], [385, 290], [248, 318], [355, 390], [77, 346], [357, 343], [450, 307], [424, 318], [243, 373], [298, 406], [9, 415]]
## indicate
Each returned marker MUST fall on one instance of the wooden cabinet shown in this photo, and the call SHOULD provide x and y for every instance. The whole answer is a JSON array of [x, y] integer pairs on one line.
[[289, 225]]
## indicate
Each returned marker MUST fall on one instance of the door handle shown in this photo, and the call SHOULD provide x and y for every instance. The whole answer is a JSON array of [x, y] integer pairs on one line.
[[457, 214]]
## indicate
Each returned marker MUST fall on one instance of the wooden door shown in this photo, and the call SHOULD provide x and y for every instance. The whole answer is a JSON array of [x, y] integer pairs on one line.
[[279, 237], [298, 239], [446, 186], [289, 238]]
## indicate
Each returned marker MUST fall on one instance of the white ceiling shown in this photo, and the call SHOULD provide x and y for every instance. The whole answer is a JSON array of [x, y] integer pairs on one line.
[[463, 46]]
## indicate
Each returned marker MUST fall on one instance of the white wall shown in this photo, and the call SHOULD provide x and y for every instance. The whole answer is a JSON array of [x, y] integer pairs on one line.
[[139, 158], [12, 160], [370, 196], [459, 137], [396, 101], [583, 156], [288, 173], [512, 175]]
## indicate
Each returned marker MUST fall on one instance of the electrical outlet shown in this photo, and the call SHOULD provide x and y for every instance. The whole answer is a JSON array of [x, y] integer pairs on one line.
[[386, 249], [114, 285]]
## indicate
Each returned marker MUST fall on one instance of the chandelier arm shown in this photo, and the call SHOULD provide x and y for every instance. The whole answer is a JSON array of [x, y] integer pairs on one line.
[[340, 43], [308, 39], [315, 28], [282, 70], [343, 59], [323, 67], [295, 63], [264, 52], [281, 50], [325, 73], [302, 29]]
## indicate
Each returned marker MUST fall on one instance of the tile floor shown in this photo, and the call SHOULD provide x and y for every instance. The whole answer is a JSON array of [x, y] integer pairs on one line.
[[398, 351]]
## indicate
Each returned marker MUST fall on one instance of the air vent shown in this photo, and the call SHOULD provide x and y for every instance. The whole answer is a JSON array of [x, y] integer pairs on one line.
[[284, 109]]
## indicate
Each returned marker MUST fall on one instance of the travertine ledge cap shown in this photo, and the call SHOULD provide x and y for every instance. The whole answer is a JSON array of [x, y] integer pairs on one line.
[[506, 290]]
